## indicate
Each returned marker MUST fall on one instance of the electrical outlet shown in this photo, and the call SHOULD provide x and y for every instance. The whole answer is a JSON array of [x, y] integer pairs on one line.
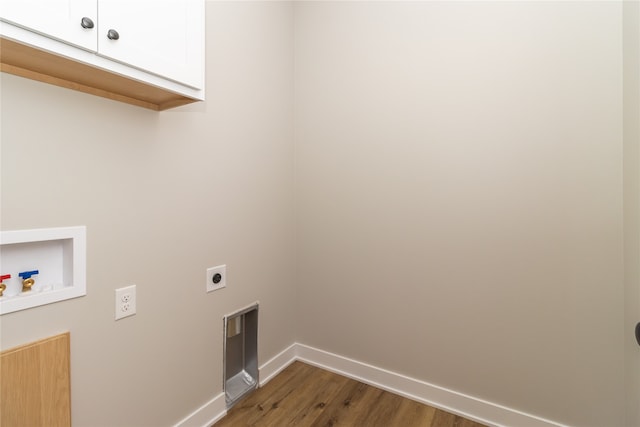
[[216, 278], [125, 302]]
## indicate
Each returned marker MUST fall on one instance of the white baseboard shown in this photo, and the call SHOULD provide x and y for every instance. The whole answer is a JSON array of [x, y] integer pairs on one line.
[[451, 401], [479, 410], [212, 411], [274, 366], [207, 414]]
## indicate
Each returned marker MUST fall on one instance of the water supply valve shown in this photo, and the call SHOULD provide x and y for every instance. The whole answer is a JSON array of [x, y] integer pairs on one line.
[[27, 280], [2, 285]]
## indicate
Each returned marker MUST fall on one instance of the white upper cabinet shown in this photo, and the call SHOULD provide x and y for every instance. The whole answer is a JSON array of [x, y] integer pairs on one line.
[[158, 44], [70, 21], [165, 37]]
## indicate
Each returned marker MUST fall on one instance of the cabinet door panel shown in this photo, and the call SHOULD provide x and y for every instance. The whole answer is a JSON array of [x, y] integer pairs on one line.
[[35, 388], [164, 37], [59, 19]]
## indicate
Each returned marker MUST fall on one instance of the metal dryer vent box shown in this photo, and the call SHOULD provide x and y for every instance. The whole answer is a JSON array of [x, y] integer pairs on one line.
[[240, 354]]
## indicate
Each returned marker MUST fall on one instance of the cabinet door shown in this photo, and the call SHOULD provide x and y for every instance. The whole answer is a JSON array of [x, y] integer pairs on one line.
[[164, 37], [59, 19], [35, 388]]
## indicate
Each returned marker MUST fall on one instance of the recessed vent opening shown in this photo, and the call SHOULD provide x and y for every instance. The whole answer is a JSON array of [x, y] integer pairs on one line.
[[240, 354]]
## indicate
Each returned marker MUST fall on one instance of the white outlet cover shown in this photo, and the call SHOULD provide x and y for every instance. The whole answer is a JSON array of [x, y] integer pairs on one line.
[[125, 302], [222, 270]]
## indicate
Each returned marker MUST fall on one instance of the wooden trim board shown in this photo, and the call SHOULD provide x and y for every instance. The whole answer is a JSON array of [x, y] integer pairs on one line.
[[35, 64], [35, 389]]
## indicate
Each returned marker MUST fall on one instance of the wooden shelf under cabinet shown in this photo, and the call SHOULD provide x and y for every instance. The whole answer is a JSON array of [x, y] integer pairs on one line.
[[25, 61]]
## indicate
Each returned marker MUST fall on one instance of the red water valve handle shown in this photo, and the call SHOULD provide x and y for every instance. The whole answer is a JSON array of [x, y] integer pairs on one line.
[[5, 276]]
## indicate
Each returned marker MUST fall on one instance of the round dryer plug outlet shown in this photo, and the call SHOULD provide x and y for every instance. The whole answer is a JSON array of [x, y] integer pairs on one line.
[[216, 278]]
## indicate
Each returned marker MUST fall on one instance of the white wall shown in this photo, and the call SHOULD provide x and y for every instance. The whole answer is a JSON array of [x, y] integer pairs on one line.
[[163, 196], [459, 197]]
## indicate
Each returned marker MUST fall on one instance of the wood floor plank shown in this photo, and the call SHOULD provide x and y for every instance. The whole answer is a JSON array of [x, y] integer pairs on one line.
[[445, 419], [340, 411], [274, 406], [413, 414], [249, 410], [308, 402], [381, 412], [306, 396]]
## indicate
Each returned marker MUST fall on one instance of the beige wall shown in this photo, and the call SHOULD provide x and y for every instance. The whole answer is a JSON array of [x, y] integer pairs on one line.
[[163, 196], [459, 197], [631, 39]]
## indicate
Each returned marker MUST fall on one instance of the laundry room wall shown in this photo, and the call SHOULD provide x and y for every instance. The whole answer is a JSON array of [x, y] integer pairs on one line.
[[164, 196], [459, 197]]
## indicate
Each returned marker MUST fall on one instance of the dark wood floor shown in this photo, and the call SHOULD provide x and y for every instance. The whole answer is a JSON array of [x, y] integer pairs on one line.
[[303, 395]]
